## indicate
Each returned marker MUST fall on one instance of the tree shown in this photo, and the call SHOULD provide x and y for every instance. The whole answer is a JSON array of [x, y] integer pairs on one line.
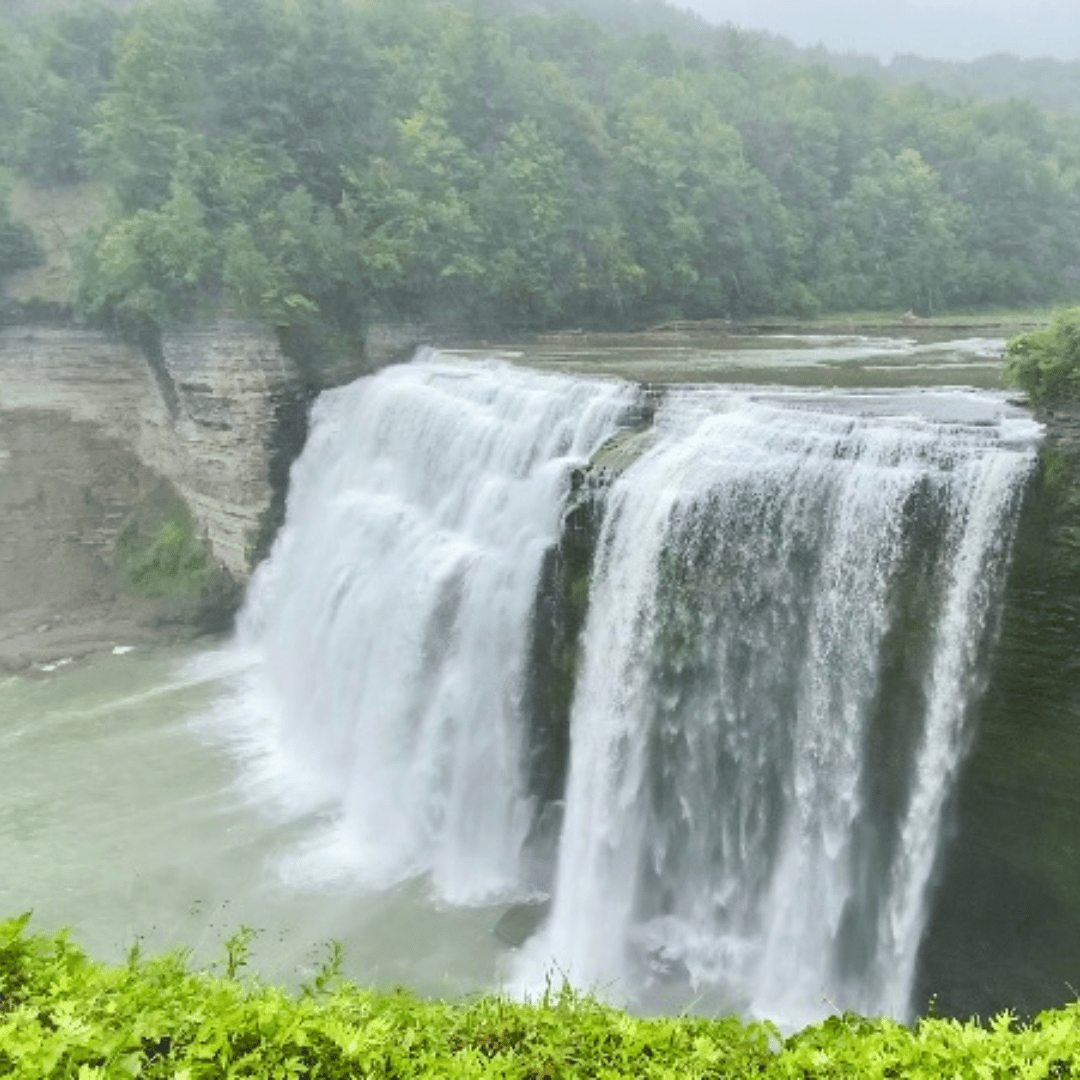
[[19, 249], [153, 268], [897, 240]]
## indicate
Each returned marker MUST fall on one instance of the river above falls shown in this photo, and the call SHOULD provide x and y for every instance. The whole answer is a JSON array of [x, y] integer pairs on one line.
[[136, 804], [915, 356]]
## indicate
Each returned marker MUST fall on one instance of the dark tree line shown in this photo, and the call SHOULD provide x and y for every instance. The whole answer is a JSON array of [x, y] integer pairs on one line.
[[316, 163]]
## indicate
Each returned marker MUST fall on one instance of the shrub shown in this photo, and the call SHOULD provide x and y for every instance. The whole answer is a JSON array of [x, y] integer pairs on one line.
[[170, 562], [164, 560], [64, 1015], [1046, 363]]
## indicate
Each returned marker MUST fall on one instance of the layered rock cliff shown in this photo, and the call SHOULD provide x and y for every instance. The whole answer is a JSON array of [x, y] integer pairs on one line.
[[200, 415], [94, 435]]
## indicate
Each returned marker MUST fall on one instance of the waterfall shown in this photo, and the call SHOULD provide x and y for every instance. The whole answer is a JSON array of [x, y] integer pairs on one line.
[[791, 597], [392, 618]]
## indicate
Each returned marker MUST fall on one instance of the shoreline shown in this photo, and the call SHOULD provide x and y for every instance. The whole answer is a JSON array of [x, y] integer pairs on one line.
[[44, 641]]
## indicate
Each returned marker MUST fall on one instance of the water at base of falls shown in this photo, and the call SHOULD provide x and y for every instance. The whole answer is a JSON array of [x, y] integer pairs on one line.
[[790, 597]]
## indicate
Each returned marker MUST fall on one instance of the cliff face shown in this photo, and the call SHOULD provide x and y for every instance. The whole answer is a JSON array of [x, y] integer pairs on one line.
[[201, 415], [1002, 932], [64, 489], [95, 435]]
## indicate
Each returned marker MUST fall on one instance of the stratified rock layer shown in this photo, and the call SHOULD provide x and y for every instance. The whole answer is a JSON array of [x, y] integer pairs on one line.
[[201, 415]]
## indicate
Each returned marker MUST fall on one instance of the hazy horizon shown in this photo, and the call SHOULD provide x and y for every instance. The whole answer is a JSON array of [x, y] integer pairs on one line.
[[940, 29]]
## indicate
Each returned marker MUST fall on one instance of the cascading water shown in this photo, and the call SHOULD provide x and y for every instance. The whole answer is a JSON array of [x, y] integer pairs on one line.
[[788, 603], [790, 596], [392, 619]]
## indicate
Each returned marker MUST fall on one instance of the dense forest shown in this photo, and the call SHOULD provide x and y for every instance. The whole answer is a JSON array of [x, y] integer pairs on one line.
[[1046, 82], [317, 163]]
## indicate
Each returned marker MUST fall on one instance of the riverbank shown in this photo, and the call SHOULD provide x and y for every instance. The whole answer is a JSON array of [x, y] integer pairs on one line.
[[40, 641]]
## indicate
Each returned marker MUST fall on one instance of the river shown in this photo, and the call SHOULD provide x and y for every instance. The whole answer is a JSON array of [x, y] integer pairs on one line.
[[350, 767]]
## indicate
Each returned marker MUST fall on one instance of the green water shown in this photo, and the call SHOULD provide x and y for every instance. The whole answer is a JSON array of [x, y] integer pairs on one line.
[[120, 817]]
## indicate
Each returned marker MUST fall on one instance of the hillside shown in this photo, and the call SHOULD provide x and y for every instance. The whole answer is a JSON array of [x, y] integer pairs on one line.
[[319, 165]]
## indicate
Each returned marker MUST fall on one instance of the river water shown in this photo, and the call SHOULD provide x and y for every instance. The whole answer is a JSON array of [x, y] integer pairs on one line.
[[353, 766], [123, 816]]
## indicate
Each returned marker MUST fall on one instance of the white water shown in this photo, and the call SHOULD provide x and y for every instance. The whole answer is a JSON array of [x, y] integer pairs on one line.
[[392, 619], [720, 824], [724, 832]]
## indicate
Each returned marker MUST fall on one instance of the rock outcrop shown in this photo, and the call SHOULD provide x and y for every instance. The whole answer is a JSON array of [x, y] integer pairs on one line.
[[201, 414], [96, 435]]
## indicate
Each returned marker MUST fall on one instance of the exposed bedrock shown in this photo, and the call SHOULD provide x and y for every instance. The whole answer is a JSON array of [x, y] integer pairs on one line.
[[202, 417], [1002, 933], [96, 433]]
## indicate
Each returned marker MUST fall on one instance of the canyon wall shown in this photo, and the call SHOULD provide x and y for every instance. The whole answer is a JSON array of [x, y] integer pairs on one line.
[[201, 415]]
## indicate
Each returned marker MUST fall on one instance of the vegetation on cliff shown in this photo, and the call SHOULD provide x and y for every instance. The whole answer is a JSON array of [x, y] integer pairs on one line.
[[159, 556], [316, 163], [1046, 363], [63, 1015], [18, 247]]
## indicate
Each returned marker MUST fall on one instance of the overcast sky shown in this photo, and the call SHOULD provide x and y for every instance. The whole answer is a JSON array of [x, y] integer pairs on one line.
[[950, 29]]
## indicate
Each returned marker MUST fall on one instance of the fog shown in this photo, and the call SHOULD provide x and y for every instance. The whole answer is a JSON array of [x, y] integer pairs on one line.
[[945, 29]]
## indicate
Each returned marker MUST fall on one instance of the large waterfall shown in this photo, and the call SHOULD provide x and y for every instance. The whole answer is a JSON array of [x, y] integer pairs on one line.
[[791, 598], [393, 617]]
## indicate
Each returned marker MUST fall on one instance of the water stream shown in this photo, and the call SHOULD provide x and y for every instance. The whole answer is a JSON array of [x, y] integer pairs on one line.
[[792, 600]]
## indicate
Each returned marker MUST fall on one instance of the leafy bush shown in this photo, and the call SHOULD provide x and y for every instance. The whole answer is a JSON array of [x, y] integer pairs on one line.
[[64, 1015], [172, 561], [1046, 363], [160, 557]]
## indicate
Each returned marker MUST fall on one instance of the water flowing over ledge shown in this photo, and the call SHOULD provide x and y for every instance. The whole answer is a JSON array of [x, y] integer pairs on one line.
[[790, 602]]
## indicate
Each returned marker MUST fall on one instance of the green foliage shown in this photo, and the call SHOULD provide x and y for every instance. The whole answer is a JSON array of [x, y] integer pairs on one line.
[[898, 238], [62, 69], [1046, 363], [158, 556], [63, 1015], [149, 269], [170, 561], [1045, 82], [19, 248], [318, 163]]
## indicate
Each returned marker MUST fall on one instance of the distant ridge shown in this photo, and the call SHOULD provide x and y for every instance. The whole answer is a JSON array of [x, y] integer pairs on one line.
[[1048, 83]]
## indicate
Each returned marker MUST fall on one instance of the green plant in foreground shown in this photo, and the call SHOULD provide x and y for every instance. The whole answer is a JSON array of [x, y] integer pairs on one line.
[[64, 1015], [1046, 363]]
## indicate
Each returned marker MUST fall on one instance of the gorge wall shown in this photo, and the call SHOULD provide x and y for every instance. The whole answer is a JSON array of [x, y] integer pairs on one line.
[[92, 429], [202, 417], [1002, 929]]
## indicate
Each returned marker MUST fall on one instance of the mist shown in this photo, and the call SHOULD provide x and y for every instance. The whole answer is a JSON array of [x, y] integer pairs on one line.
[[941, 29]]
